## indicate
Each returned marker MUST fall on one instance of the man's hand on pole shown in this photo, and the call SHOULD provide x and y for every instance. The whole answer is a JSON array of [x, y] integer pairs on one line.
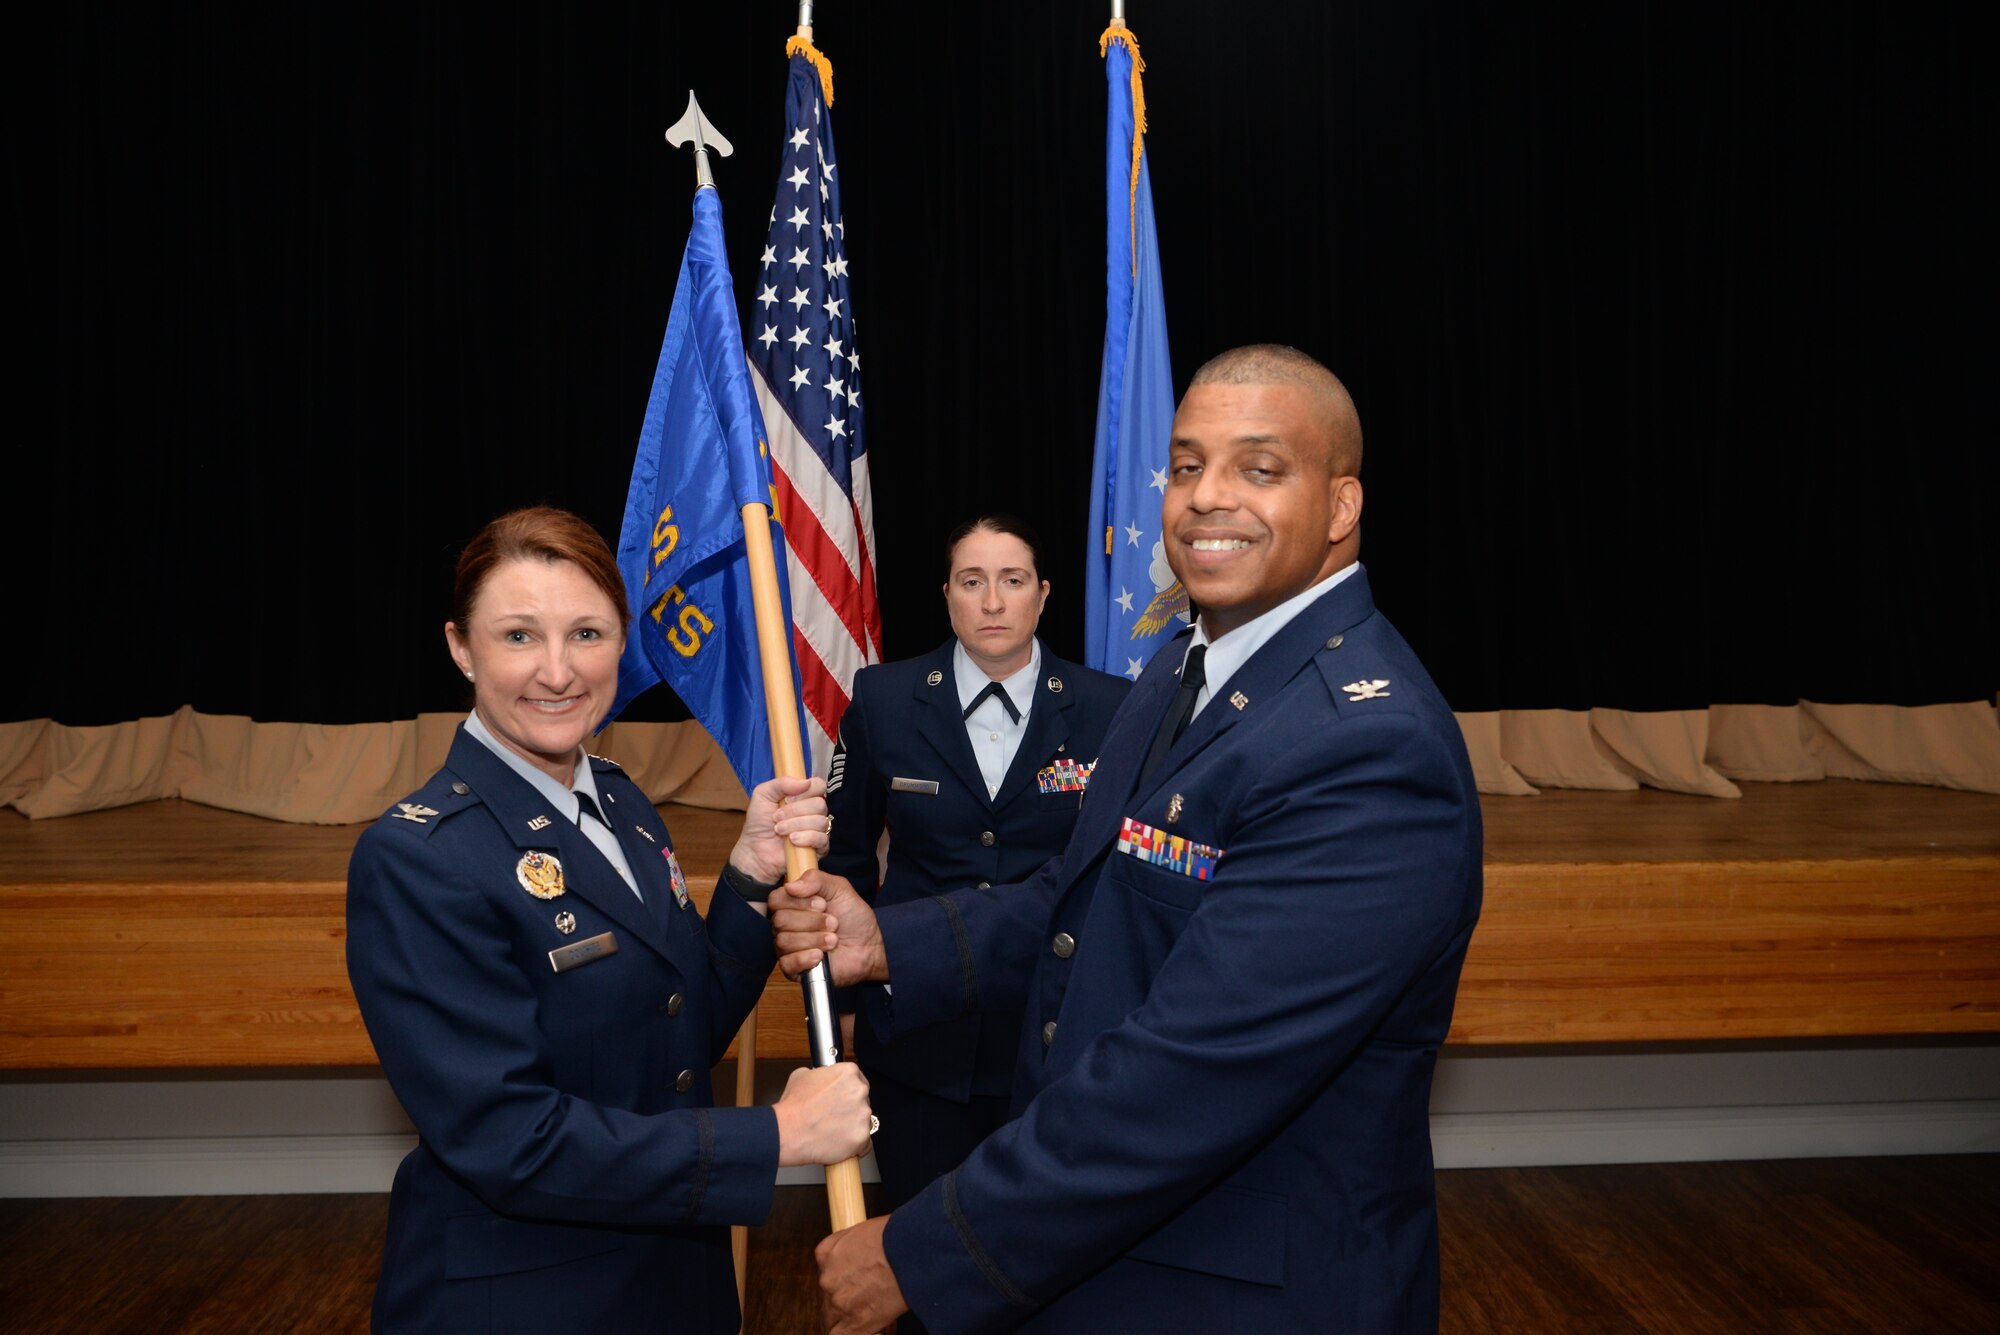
[[821, 916]]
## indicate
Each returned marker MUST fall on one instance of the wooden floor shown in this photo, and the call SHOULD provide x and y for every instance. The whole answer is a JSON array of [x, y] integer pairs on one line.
[[1837, 1246]]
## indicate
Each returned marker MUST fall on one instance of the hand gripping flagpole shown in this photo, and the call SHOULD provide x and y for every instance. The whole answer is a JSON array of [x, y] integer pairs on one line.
[[781, 709]]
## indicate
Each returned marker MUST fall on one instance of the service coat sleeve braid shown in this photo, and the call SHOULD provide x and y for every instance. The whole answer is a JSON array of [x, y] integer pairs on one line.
[[741, 958], [454, 1021], [1296, 958], [961, 953]]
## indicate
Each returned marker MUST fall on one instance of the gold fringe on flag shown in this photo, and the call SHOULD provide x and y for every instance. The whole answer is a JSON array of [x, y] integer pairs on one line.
[[799, 46], [1118, 32]]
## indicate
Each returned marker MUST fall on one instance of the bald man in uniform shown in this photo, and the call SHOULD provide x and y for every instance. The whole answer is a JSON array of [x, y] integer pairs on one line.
[[1236, 976]]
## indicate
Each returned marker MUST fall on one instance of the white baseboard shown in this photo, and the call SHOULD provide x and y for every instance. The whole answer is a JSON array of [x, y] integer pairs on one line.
[[202, 1166], [260, 1165], [1691, 1135], [214, 1166]]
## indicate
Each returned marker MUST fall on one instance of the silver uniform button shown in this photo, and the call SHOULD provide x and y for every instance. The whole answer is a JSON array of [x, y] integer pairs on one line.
[[986, 838], [1064, 945], [983, 885], [1048, 1033], [674, 1004], [460, 789], [684, 1082]]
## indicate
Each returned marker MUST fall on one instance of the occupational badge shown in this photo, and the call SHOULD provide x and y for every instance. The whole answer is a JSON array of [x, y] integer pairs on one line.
[[645, 834], [680, 881], [1174, 808], [539, 874]]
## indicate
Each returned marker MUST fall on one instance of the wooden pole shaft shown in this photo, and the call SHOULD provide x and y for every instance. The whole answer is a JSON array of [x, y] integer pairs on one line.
[[788, 757]]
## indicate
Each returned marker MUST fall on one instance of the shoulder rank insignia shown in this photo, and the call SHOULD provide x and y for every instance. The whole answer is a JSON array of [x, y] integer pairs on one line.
[[540, 874], [680, 881], [1366, 690], [1065, 776], [411, 811], [1169, 851]]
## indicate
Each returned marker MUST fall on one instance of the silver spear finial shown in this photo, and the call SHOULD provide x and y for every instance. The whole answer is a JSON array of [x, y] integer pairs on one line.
[[693, 128]]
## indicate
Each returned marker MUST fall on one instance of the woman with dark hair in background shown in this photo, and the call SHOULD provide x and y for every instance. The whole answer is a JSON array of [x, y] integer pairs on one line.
[[546, 1000], [975, 758]]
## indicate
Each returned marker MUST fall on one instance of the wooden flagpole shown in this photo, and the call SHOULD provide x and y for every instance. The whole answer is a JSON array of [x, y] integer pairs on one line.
[[781, 705]]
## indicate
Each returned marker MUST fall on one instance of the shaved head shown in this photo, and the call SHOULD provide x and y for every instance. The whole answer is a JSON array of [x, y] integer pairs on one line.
[[1276, 364]]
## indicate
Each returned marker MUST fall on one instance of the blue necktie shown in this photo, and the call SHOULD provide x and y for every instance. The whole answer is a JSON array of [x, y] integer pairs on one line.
[[1178, 712]]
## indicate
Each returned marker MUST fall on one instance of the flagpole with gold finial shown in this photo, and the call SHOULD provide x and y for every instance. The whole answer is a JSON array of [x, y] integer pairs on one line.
[[845, 1205]]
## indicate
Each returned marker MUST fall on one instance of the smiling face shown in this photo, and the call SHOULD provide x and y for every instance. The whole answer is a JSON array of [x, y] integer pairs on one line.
[[542, 651], [995, 599], [1256, 510]]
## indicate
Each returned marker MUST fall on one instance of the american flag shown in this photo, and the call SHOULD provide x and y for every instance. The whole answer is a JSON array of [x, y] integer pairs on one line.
[[807, 374]]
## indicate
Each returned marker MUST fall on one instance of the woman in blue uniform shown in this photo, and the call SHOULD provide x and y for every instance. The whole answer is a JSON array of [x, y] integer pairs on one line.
[[974, 758], [547, 1002]]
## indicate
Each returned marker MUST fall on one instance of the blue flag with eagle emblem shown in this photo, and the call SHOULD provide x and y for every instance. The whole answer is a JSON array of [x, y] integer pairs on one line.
[[1132, 602], [701, 458]]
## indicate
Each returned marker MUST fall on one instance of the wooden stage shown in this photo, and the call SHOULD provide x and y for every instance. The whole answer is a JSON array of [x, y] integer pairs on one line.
[[170, 935]]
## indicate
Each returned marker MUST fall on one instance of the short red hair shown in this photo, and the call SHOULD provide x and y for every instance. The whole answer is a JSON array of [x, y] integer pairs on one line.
[[540, 533]]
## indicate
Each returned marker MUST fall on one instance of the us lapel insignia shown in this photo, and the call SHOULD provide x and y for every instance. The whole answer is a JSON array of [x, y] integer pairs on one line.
[[539, 823], [411, 811], [1055, 685], [1367, 690], [680, 881], [1238, 699], [645, 834], [565, 922], [934, 679], [540, 874]]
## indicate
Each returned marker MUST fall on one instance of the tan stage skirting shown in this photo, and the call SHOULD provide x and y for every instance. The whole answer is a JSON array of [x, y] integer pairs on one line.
[[326, 774]]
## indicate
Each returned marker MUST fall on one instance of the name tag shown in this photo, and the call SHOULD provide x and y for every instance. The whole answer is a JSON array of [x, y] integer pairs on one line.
[[913, 786], [577, 954]]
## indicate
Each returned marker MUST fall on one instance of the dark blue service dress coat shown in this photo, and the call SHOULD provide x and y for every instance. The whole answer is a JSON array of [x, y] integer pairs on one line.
[[904, 762], [1226, 1069], [571, 1173]]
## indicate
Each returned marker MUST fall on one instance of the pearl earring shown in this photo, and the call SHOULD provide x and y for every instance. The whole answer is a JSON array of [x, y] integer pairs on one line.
[[468, 676]]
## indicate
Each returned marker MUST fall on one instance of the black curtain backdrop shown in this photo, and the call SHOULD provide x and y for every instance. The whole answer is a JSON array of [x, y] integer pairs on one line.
[[1664, 320]]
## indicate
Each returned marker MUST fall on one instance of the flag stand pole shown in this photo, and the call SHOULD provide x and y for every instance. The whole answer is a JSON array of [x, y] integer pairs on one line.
[[746, 1096], [781, 705]]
